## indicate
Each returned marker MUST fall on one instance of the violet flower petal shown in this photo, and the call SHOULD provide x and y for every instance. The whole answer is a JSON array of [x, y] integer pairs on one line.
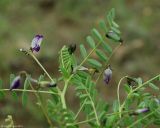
[[15, 83], [142, 110], [36, 42]]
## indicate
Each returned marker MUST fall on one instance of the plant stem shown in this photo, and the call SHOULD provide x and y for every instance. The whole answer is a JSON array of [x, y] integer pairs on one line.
[[131, 126], [105, 66], [94, 108], [89, 55], [110, 114], [82, 122], [145, 83], [118, 88], [42, 107], [62, 95], [32, 91], [32, 55], [80, 109]]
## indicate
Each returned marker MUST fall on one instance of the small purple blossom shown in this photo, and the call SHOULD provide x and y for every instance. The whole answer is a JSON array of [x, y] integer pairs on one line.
[[142, 110], [15, 83], [107, 75], [36, 42]]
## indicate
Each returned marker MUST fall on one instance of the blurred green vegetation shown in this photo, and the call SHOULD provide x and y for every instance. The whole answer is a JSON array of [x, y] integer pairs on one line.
[[69, 21]]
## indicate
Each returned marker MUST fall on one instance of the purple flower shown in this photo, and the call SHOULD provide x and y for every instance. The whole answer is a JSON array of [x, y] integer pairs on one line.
[[15, 83], [36, 42], [107, 75], [142, 110]]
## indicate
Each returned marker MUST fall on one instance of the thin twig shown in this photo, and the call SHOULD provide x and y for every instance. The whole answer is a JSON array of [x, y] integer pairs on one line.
[[105, 66], [31, 91]]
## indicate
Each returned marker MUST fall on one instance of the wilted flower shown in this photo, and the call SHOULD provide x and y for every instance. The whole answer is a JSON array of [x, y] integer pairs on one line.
[[36, 42], [47, 84], [132, 82], [71, 48], [107, 75], [15, 83]]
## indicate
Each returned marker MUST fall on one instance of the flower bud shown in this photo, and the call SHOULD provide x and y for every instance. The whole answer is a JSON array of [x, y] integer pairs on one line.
[[107, 75], [71, 48], [15, 83]]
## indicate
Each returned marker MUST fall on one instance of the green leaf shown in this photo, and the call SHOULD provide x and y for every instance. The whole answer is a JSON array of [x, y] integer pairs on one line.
[[2, 94], [13, 93], [97, 34], [24, 99], [94, 63], [101, 55], [106, 47], [114, 36], [112, 13], [139, 81], [103, 26], [127, 88], [80, 88], [157, 122], [64, 72], [24, 93], [153, 104], [115, 106], [137, 95], [116, 31], [109, 19], [115, 24], [153, 86], [41, 78], [83, 51], [12, 76], [90, 41], [65, 60]]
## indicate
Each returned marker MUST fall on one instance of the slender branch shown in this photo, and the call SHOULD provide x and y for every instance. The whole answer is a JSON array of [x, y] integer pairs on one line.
[[82, 122], [110, 114], [41, 105], [118, 88], [89, 55], [145, 83], [131, 126], [80, 109], [105, 66], [32, 91], [94, 108], [148, 123], [32, 55]]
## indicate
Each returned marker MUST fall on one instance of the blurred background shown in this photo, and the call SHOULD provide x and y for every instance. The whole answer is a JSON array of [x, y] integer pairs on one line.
[[70, 21]]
